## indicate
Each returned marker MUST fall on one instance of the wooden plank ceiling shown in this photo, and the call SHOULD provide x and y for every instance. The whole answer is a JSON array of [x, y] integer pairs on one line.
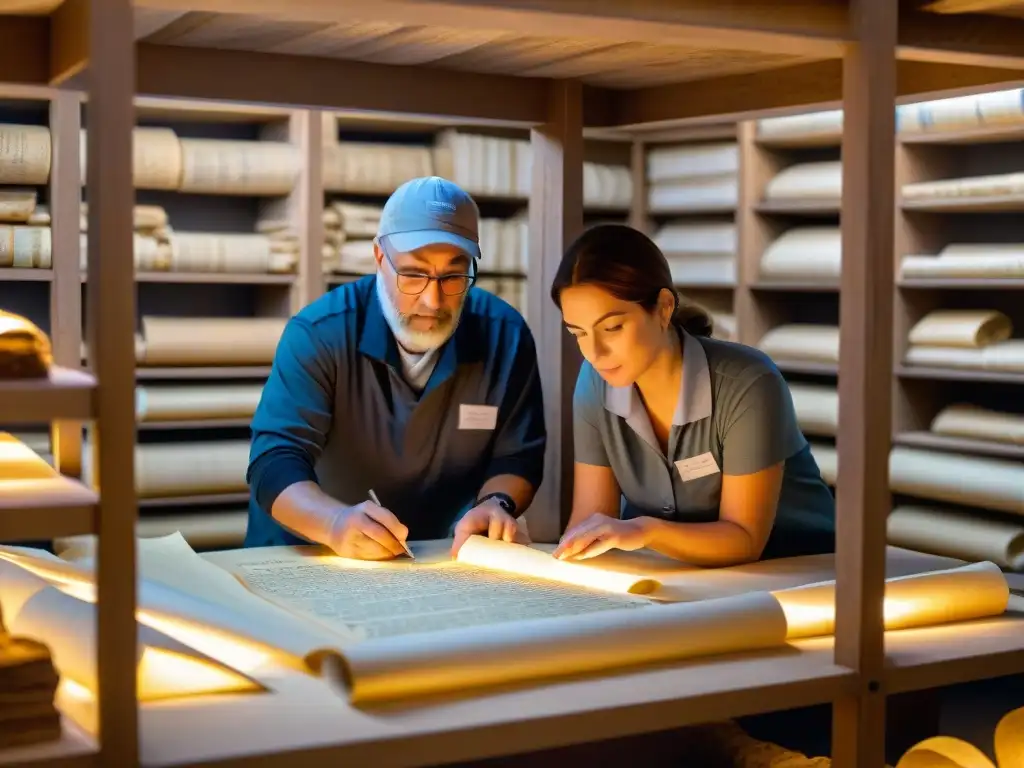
[[599, 62]]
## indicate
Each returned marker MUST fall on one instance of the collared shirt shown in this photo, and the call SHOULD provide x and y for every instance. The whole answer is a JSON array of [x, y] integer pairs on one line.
[[734, 416], [338, 410]]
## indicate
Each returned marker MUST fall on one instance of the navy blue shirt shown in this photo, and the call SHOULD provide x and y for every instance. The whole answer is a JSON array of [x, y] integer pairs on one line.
[[336, 410]]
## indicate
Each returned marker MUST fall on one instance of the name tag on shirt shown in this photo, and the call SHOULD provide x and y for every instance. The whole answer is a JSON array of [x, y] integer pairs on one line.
[[697, 466], [478, 416]]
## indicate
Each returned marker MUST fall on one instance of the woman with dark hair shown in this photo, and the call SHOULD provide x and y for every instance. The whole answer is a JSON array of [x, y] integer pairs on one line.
[[684, 444]]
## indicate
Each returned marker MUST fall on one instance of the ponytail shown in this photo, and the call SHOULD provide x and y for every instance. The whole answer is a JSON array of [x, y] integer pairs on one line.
[[692, 318]]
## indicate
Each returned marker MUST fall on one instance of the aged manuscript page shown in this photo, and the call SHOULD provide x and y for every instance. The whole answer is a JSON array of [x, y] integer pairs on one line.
[[413, 628]]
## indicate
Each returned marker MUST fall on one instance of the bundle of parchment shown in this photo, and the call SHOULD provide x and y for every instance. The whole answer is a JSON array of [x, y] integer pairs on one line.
[[28, 683], [25, 156], [151, 238], [163, 160], [349, 229]]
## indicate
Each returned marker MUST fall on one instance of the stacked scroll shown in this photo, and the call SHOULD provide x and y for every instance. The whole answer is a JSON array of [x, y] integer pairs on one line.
[[28, 684], [693, 178], [796, 343], [993, 261], [808, 253], [699, 252], [206, 341], [815, 185], [501, 167], [990, 190], [962, 112], [185, 468], [486, 166], [965, 338], [981, 501], [810, 128], [956, 113], [25, 156], [985, 516], [160, 248], [349, 229], [817, 413], [162, 160]]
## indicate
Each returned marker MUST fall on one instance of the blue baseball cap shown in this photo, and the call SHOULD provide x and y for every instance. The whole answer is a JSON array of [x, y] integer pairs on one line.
[[428, 211]]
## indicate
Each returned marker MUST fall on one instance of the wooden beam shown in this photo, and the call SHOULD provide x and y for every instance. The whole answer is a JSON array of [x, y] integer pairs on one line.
[[111, 333], [25, 49], [865, 378], [66, 288], [800, 88], [69, 41], [556, 217], [796, 27], [970, 39], [970, 6], [202, 73]]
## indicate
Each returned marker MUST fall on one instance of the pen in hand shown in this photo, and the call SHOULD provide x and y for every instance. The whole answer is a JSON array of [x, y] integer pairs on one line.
[[375, 500]]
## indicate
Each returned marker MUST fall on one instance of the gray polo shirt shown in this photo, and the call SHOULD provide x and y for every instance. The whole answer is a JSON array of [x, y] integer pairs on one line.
[[734, 416]]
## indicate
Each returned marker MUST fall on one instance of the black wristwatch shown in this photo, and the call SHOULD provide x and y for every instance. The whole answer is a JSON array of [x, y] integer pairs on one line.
[[505, 501]]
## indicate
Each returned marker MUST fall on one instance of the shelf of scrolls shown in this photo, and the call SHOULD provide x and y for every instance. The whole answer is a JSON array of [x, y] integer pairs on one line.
[[364, 160], [958, 364], [957, 466], [220, 261], [620, 69]]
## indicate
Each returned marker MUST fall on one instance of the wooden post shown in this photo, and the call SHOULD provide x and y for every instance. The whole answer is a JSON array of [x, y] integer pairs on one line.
[[865, 377], [66, 289], [556, 217], [111, 329], [638, 218], [306, 206]]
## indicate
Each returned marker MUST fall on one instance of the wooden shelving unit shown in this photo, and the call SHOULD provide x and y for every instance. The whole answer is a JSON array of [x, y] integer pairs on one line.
[[779, 58]]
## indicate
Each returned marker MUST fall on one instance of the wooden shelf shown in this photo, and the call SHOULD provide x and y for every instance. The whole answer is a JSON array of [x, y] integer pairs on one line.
[[42, 509], [219, 278], [706, 285], [75, 749], [65, 394], [932, 657], [994, 204], [815, 140], [710, 210], [811, 207], [203, 372], [193, 501], [924, 439], [533, 717], [32, 275], [966, 284], [988, 134], [958, 374], [808, 367], [157, 426], [796, 286]]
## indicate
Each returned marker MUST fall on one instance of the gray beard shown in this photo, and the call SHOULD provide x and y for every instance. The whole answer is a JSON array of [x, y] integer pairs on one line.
[[409, 339]]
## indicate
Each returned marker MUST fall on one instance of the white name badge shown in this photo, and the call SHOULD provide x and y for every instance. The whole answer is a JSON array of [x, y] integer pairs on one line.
[[478, 416], [697, 466]]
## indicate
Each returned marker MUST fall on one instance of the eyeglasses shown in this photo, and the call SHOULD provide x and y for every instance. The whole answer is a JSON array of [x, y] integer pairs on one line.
[[415, 283]]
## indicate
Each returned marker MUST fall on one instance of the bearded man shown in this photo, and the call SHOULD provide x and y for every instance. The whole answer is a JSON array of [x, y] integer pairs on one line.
[[408, 384]]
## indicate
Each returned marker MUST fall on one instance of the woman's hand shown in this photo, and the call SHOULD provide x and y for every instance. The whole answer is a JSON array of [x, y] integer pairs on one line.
[[598, 534]]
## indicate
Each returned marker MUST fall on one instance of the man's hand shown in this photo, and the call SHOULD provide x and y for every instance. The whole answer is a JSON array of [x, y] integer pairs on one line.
[[367, 532], [598, 534], [487, 518]]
